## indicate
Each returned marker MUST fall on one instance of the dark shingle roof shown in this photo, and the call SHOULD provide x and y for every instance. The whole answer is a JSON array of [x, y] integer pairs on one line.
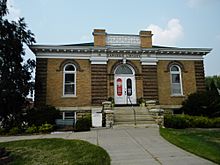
[[81, 44]]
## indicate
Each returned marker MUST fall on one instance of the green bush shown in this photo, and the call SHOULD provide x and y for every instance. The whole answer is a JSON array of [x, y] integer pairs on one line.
[[2, 131], [177, 121], [39, 116], [202, 104], [46, 128], [216, 122], [14, 131], [186, 121], [32, 129], [83, 124]]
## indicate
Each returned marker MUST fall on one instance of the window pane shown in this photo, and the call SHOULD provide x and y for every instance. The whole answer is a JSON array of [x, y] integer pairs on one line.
[[70, 68], [176, 89], [69, 89], [175, 78], [174, 68], [69, 78], [123, 69], [69, 115], [129, 87]]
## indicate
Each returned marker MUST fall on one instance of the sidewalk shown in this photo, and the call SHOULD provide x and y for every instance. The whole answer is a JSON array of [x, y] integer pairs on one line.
[[129, 146]]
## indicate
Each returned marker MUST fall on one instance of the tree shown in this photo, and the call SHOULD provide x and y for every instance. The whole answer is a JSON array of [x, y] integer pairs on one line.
[[15, 73], [202, 104], [212, 79]]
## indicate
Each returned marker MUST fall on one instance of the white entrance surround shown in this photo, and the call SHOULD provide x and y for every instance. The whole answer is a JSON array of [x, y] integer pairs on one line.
[[124, 85]]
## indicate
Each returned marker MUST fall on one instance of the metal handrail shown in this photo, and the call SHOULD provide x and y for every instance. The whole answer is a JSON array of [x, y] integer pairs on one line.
[[135, 122]]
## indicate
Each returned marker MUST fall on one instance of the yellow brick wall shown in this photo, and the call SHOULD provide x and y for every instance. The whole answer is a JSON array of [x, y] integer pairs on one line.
[[99, 37], [83, 83], [164, 87], [55, 85], [146, 39]]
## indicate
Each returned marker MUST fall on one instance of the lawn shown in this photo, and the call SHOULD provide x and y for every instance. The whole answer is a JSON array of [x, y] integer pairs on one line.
[[202, 142], [56, 152]]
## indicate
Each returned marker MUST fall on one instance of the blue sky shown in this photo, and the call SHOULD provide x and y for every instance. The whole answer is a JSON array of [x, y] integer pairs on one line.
[[182, 23]]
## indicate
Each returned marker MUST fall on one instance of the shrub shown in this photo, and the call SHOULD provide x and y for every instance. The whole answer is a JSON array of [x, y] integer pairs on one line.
[[46, 128], [201, 122], [83, 124], [14, 131], [216, 122], [202, 104], [5, 156], [177, 121], [2, 131], [39, 116], [32, 129], [186, 121]]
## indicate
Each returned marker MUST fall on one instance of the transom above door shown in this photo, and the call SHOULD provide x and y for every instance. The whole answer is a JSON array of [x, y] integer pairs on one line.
[[124, 85]]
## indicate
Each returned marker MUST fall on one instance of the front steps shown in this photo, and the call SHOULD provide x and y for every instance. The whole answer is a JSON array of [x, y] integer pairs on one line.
[[125, 116]]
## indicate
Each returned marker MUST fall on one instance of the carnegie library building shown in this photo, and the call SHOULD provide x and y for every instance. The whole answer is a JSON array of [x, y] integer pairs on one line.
[[124, 67]]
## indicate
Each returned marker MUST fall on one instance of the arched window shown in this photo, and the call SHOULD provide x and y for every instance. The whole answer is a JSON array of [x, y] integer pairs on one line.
[[69, 80], [123, 69], [176, 80]]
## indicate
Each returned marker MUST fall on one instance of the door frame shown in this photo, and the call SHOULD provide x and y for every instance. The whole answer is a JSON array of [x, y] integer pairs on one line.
[[123, 100]]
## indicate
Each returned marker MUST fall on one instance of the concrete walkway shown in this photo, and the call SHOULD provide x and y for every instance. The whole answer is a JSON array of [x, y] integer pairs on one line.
[[129, 146]]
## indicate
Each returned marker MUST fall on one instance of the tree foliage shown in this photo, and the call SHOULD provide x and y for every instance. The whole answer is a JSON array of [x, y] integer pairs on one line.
[[202, 104], [15, 73], [212, 81]]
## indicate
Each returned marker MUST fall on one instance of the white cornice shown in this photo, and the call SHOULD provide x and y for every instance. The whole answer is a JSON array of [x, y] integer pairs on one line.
[[119, 49], [153, 58]]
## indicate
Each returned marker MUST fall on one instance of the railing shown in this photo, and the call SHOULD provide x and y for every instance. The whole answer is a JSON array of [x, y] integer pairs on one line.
[[135, 121]]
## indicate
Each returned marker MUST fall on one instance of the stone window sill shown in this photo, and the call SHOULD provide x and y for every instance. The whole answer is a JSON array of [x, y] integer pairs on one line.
[[68, 96], [180, 96]]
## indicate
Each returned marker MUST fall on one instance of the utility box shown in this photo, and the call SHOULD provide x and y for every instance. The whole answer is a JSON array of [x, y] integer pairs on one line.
[[96, 117]]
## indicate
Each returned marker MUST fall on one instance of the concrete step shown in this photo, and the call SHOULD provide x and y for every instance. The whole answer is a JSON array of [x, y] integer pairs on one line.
[[125, 115], [132, 113], [131, 117], [132, 122]]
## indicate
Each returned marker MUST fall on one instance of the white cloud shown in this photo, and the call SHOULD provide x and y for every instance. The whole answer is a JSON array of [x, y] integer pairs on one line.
[[14, 13], [169, 35]]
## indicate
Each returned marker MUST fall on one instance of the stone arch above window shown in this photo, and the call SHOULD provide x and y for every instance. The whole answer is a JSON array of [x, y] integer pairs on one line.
[[177, 63], [68, 61], [137, 72]]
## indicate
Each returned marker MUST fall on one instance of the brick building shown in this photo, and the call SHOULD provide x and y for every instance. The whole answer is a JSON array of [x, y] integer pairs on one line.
[[123, 67]]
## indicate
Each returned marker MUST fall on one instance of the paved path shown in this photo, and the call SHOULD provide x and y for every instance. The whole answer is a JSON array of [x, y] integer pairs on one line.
[[130, 146]]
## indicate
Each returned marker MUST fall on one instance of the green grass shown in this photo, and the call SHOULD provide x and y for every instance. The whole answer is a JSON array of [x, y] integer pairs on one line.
[[202, 142], [56, 152]]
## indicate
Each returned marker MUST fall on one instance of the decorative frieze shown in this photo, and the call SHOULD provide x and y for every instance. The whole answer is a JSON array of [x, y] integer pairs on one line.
[[122, 40], [123, 55]]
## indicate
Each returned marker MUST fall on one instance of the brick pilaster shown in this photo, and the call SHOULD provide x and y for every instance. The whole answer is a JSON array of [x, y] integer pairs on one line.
[[99, 83], [150, 85]]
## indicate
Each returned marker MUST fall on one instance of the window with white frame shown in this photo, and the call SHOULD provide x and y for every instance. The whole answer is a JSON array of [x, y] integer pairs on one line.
[[176, 80], [69, 80]]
